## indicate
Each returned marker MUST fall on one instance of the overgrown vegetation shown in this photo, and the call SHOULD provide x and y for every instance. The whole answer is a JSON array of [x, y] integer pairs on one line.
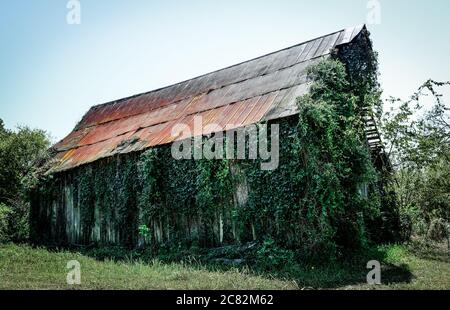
[[22, 152], [417, 132], [324, 202], [311, 209]]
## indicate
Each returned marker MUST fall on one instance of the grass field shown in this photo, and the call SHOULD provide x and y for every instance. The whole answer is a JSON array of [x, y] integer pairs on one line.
[[403, 267]]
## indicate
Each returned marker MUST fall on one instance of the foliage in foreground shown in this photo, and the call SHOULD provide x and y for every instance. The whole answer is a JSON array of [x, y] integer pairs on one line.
[[416, 266], [22, 267]]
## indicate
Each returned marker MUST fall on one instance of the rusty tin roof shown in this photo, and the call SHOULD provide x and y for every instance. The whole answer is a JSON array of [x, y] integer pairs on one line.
[[260, 89]]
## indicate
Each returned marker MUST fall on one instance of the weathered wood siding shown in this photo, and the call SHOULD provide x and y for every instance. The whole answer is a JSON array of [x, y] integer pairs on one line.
[[58, 218]]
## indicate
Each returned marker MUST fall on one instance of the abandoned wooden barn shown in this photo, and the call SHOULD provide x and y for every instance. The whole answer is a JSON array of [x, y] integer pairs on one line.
[[104, 185]]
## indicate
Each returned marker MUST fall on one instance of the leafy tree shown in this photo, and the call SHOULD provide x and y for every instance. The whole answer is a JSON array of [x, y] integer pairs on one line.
[[418, 136], [21, 154]]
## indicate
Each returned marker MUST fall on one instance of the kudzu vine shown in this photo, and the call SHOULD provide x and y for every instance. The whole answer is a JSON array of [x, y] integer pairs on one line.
[[311, 205]]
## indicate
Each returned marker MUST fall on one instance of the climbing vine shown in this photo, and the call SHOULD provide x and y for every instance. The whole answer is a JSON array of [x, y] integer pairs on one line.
[[318, 204]]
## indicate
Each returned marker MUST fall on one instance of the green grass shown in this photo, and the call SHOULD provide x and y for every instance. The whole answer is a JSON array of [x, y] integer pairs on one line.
[[22, 267], [421, 267], [404, 267]]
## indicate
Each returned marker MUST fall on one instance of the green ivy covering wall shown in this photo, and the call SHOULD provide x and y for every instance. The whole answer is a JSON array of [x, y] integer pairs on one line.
[[312, 204]]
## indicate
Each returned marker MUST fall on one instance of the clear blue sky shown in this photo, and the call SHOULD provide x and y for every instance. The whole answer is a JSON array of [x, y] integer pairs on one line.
[[52, 72]]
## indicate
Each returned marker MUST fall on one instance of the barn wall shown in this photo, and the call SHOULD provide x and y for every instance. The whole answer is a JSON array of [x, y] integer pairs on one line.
[[65, 219], [105, 202]]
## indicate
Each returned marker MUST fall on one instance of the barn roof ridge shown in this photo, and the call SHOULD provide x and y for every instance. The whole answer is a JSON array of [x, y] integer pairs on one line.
[[360, 26]]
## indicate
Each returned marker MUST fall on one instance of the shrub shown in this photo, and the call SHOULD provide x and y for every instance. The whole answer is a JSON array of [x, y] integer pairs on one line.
[[5, 213], [437, 230], [270, 257], [22, 156]]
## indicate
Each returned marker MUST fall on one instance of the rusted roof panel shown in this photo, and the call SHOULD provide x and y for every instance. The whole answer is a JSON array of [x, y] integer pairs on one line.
[[264, 88]]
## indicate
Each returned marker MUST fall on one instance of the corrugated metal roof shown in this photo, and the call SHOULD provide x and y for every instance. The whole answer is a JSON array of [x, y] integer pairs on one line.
[[261, 89]]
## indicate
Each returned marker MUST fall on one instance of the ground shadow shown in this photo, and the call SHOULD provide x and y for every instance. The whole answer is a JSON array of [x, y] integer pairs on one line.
[[392, 274], [342, 276]]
